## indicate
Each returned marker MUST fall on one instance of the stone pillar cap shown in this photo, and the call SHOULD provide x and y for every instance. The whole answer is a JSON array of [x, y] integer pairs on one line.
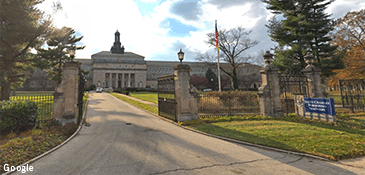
[[181, 66]]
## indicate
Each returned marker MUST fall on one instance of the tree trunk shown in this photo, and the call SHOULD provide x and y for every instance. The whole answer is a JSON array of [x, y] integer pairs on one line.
[[5, 91], [234, 80]]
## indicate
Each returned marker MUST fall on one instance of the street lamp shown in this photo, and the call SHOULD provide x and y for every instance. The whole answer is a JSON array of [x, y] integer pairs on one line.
[[268, 57], [71, 51], [181, 55]]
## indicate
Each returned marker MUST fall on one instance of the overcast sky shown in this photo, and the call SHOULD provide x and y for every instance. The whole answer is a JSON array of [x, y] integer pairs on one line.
[[157, 29]]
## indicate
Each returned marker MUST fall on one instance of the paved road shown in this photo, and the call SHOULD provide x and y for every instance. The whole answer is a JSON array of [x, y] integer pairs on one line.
[[123, 139]]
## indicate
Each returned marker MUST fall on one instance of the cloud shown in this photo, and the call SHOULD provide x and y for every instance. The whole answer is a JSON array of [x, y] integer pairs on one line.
[[157, 29], [220, 4], [339, 8], [189, 10]]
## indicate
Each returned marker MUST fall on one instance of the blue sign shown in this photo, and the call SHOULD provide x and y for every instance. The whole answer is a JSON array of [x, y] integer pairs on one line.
[[320, 105]]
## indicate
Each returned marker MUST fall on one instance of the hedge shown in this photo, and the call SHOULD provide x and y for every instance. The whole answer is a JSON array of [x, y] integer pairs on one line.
[[17, 115]]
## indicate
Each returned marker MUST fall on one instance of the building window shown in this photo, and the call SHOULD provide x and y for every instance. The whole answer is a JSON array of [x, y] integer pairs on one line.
[[113, 66], [126, 66], [106, 65], [132, 66]]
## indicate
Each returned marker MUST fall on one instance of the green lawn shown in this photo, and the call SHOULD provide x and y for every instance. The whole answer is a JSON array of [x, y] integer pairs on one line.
[[147, 107], [336, 95], [339, 141], [146, 96]]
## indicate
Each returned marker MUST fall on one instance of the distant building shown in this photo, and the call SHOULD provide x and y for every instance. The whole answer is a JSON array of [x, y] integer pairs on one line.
[[118, 69]]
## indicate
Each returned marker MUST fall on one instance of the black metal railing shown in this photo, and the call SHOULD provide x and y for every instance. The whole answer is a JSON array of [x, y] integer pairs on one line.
[[291, 84], [166, 97], [80, 98], [353, 94], [228, 103], [45, 105]]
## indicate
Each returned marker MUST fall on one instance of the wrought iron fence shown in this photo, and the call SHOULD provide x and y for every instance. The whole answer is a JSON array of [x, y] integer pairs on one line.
[[353, 94], [166, 97], [80, 97], [228, 103], [45, 105], [291, 84]]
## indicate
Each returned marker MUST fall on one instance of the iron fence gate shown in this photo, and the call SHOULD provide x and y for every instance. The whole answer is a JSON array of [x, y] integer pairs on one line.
[[353, 94], [166, 97], [80, 98], [291, 84]]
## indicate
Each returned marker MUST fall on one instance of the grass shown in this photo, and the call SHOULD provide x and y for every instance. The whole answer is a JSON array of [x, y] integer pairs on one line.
[[136, 103], [17, 148], [146, 96], [341, 140], [336, 95], [333, 141]]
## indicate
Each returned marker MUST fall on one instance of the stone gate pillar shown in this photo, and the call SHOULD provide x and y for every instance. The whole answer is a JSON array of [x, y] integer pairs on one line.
[[187, 105], [269, 91], [65, 97], [313, 75]]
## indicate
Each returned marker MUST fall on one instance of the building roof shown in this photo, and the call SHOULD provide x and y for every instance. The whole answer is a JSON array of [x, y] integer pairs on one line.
[[109, 54]]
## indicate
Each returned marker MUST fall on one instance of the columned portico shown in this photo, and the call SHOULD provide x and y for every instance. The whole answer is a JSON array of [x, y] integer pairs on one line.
[[121, 80], [118, 69]]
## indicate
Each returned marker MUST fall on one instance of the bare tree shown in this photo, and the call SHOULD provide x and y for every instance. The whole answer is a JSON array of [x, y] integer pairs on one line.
[[232, 43]]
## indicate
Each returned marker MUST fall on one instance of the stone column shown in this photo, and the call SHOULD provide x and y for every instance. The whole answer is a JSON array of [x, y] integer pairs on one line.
[[185, 109], [58, 104], [122, 80], [269, 91], [109, 80], [313, 75], [129, 80], [65, 105]]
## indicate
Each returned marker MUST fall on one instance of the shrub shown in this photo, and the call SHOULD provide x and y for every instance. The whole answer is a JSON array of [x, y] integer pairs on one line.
[[209, 104], [122, 92], [247, 98], [91, 87], [131, 89], [243, 98], [17, 116]]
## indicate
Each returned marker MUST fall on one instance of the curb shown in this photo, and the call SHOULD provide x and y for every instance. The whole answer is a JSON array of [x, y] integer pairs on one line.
[[236, 141], [58, 146]]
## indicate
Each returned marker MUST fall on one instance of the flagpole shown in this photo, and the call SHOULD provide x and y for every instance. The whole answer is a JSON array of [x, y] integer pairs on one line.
[[219, 73], [219, 70]]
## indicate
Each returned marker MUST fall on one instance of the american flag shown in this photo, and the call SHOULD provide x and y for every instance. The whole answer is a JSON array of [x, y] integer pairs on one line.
[[216, 36]]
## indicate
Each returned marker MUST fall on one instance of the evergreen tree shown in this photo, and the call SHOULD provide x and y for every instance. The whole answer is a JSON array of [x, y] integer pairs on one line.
[[212, 78], [305, 27], [54, 57], [22, 27]]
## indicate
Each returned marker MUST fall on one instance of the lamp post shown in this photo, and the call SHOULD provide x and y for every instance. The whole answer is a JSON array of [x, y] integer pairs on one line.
[[71, 51], [181, 56], [268, 57]]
